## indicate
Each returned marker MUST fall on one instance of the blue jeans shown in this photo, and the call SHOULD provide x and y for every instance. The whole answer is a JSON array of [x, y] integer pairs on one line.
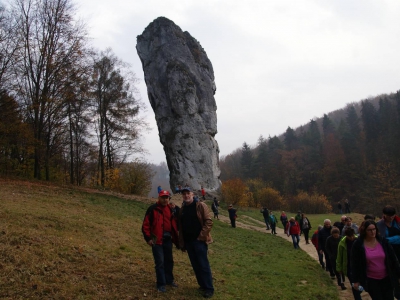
[[197, 251], [164, 263], [296, 240]]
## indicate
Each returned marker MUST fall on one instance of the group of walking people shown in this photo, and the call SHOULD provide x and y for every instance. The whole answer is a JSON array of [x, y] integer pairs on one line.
[[367, 255]]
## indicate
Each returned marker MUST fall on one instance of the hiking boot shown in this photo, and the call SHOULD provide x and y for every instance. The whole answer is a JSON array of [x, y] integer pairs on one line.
[[343, 287], [173, 284], [208, 294], [161, 289]]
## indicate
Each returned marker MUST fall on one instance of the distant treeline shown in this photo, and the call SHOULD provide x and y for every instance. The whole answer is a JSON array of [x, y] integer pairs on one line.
[[351, 153], [68, 113]]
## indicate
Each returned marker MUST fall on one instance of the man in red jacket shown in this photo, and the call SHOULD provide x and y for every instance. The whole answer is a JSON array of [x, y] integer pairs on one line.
[[160, 231]]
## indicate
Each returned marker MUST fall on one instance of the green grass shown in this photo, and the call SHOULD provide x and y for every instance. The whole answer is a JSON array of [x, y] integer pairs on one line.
[[62, 243]]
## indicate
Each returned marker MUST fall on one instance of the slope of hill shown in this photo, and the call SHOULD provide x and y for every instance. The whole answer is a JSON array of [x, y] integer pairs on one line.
[[63, 243]]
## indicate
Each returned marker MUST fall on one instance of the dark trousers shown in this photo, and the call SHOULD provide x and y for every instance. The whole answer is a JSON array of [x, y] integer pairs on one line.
[[339, 276], [273, 228], [266, 220], [380, 289], [233, 222], [321, 259], [306, 231], [328, 264], [197, 251], [356, 294], [164, 263]]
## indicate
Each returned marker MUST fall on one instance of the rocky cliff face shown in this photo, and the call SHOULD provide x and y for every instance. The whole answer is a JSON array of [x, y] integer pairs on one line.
[[180, 85]]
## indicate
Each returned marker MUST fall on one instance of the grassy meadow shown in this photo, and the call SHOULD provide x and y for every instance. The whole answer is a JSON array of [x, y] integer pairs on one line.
[[67, 243]]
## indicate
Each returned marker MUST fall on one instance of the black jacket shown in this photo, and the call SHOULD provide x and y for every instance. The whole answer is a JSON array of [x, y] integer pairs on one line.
[[323, 234], [331, 247], [358, 262]]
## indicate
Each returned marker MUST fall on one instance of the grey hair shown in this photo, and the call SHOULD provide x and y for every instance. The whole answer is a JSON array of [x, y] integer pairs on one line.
[[327, 220], [320, 227]]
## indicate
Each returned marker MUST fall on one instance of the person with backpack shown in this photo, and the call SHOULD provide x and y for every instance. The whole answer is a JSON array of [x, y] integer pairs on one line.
[[272, 222], [305, 226], [160, 231]]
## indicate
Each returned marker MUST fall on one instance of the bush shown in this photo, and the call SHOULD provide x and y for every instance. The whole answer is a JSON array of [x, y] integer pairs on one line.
[[270, 198], [311, 204]]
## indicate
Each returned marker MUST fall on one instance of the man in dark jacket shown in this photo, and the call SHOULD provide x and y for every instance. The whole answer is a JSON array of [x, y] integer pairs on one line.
[[323, 234], [160, 231], [232, 215], [195, 226], [265, 213]]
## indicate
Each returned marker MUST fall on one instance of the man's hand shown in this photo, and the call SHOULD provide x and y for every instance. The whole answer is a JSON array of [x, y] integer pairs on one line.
[[321, 252], [150, 243]]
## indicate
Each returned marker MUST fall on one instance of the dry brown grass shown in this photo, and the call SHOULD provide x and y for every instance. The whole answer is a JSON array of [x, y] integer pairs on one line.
[[64, 243]]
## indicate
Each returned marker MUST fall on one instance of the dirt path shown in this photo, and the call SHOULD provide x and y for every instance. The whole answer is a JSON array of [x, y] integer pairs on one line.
[[308, 248]]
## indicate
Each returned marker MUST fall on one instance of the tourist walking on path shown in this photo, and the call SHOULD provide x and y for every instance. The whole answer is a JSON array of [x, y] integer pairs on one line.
[[265, 213], [298, 219], [389, 228], [349, 224], [214, 208], [195, 226], [293, 229], [374, 263], [323, 234], [343, 259], [284, 219], [160, 230], [305, 226], [331, 247], [340, 224], [232, 215], [314, 241], [272, 222]]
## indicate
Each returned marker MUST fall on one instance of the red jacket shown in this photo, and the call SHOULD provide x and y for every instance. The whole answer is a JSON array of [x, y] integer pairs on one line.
[[314, 239], [153, 224], [294, 229]]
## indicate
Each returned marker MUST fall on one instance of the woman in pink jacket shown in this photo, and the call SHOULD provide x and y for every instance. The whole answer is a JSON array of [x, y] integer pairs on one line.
[[293, 229]]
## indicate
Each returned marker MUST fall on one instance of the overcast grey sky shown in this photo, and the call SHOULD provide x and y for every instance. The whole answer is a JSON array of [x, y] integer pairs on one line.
[[276, 63]]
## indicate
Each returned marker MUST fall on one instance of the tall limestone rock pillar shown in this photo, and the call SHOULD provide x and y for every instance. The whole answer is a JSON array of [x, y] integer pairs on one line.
[[180, 85]]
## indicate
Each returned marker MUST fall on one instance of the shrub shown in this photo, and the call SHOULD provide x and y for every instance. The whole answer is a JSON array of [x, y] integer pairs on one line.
[[270, 198], [312, 204]]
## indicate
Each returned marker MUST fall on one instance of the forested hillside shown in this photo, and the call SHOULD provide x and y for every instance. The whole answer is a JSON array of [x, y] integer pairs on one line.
[[68, 113], [351, 153]]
